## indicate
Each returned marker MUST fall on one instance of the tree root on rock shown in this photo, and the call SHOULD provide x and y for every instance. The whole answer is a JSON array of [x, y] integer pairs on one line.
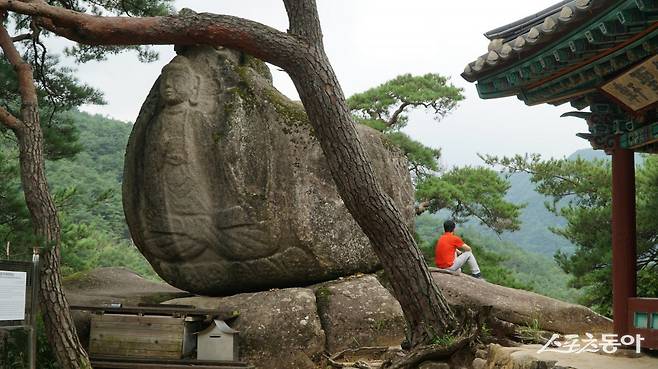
[[358, 365], [471, 322], [333, 363], [368, 352], [429, 352]]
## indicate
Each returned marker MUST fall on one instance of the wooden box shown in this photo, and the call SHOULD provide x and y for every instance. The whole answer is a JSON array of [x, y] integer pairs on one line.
[[137, 336]]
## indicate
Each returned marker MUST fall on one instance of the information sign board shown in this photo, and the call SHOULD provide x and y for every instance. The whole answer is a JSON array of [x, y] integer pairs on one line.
[[12, 295], [19, 283]]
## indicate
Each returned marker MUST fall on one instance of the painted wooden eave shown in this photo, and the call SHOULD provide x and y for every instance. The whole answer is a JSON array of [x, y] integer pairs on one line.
[[532, 35], [570, 54]]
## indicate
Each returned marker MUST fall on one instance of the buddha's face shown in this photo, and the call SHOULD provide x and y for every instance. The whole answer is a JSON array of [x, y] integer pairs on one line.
[[176, 87]]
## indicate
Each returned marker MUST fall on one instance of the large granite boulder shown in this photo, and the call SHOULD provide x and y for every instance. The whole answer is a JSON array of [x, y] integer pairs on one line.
[[226, 188], [279, 329], [104, 286], [359, 312], [294, 327], [520, 307]]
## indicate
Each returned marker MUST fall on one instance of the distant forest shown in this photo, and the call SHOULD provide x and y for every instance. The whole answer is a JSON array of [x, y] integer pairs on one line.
[[87, 191], [95, 231]]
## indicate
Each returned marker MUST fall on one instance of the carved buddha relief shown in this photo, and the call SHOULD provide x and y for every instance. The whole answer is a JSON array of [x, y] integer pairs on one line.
[[186, 217]]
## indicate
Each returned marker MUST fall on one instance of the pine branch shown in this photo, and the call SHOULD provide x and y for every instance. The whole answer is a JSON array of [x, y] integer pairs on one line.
[[187, 28]]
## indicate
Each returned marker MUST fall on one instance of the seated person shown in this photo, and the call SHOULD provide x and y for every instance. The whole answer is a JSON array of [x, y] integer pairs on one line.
[[446, 248]]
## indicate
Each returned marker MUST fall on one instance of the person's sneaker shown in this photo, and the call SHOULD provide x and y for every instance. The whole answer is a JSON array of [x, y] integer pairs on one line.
[[477, 275]]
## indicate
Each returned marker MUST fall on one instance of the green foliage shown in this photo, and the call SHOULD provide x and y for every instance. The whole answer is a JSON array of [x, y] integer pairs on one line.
[[581, 193], [386, 107], [61, 139], [492, 266], [94, 233], [96, 173], [15, 226], [445, 341], [85, 248], [578, 181], [531, 332], [133, 8], [466, 192], [58, 91], [84, 53], [58, 88], [14, 353], [377, 124], [423, 160], [471, 193], [391, 101]]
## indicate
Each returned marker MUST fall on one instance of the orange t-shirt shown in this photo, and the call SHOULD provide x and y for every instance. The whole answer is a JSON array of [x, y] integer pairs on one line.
[[445, 250]]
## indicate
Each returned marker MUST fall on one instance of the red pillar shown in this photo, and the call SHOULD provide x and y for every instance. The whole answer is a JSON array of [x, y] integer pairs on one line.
[[624, 238]]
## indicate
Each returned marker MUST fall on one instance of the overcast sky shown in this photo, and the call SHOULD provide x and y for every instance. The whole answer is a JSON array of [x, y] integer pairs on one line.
[[372, 41]]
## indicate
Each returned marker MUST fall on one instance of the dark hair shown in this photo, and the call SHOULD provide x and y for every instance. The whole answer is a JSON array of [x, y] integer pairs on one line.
[[449, 226]]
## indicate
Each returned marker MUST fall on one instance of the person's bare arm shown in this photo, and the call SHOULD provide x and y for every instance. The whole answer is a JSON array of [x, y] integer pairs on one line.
[[465, 248]]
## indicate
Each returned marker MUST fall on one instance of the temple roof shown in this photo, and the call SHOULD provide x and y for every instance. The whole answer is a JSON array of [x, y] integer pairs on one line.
[[565, 51], [513, 30], [530, 34]]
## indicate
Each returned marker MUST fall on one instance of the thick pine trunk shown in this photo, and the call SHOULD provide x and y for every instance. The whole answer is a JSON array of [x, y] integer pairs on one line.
[[427, 313], [59, 325], [57, 317]]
